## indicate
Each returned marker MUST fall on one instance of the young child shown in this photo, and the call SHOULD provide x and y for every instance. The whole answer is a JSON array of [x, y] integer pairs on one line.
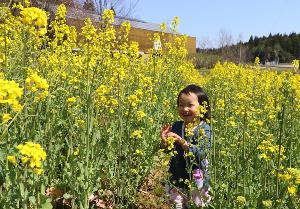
[[191, 138]]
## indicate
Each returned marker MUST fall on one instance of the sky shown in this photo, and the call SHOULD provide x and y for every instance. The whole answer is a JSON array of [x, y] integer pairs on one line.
[[204, 19]]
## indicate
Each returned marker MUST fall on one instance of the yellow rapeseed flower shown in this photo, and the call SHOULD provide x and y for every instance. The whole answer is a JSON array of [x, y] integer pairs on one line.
[[257, 61], [71, 100], [137, 134], [32, 155], [10, 92], [163, 27], [35, 83], [138, 152], [295, 64], [292, 190], [264, 156], [61, 12], [241, 200], [38, 171], [140, 114], [5, 118], [170, 143], [12, 159], [133, 100], [267, 203], [34, 16], [108, 15], [126, 25]]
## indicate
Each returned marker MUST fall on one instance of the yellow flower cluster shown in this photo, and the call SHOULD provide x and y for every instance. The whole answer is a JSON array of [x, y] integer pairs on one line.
[[61, 12], [10, 92], [71, 101], [140, 115], [257, 61], [138, 152], [126, 25], [202, 110], [64, 35], [34, 16], [175, 24], [292, 190], [292, 177], [12, 159], [108, 16], [163, 27], [295, 64], [295, 173], [241, 200], [35, 83], [89, 31], [295, 83], [136, 134], [267, 203], [134, 100], [170, 143], [33, 155], [268, 150], [5, 118], [189, 129], [105, 99]]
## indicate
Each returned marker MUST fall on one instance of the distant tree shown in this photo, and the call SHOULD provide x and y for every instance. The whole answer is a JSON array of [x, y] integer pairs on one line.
[[225, 38], [89, 5], [251, 42], [277, 47], [204, 43], [255, 41], [121, 8]]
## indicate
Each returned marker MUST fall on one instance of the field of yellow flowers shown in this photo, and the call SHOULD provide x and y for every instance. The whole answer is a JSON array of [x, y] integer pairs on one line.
[[81, 112]]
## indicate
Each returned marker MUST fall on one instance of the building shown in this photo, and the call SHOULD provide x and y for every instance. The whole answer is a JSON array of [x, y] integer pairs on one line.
[[140, 31]]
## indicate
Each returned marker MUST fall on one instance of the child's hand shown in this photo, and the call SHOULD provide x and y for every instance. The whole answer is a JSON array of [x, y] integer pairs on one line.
[[164, 135], [164, 131]]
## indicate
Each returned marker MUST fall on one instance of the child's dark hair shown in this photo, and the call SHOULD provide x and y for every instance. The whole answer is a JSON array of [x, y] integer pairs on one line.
[[202, 97]]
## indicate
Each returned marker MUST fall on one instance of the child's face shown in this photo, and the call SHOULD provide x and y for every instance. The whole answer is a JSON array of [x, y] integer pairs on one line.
[[188, 107]]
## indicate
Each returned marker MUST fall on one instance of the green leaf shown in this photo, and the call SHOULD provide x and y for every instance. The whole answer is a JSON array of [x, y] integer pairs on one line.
[[32, 200], [22, 189], [46, 205], [67, 196], [43, 189], [45, 202]]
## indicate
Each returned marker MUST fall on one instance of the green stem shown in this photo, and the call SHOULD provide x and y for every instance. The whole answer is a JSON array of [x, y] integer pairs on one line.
[[280, 147]]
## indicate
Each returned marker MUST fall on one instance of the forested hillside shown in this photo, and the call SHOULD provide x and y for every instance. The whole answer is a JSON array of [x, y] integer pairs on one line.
[[281, 47]]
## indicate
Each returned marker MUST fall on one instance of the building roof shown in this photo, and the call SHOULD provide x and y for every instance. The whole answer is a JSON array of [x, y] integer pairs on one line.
[[78, 12], [142, 24]]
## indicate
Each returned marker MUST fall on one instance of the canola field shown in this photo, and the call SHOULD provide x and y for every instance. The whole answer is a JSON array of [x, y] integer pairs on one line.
[[81, 111]]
